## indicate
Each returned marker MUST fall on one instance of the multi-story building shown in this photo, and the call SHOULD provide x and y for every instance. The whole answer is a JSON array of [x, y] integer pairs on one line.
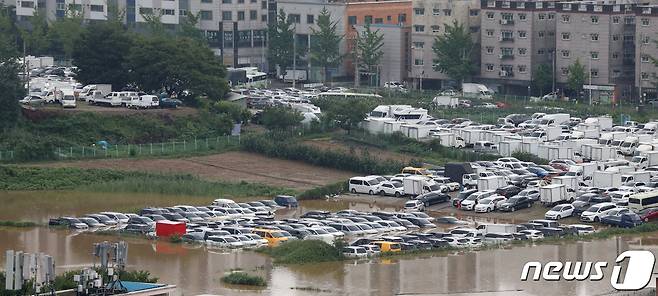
[[236, 29], [516, 37], [429, 20], [601, 36], [646, 72], [305, 15], [395, 59]]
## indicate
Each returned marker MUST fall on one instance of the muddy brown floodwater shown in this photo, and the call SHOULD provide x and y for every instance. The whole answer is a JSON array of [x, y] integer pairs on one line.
[[197, 270]]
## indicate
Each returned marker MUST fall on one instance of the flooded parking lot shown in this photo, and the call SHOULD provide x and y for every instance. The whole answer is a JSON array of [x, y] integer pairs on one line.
[[197, 269]]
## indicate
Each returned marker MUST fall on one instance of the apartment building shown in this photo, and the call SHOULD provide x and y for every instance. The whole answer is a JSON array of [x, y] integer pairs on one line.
[[387, 12], [646, 72], [601, 35], [516, 37], [429, 20], [236, 29], [305, 15]]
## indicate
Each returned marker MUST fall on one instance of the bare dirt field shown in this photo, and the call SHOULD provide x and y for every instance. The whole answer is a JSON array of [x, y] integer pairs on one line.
[[229, 166], [334, 145]]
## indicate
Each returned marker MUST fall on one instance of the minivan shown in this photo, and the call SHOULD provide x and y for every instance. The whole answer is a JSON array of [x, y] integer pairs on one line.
[[286, 201], [363, 185]]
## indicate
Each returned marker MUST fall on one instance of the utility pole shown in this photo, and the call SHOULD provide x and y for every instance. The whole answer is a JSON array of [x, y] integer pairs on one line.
[[641, 98], [553, 57], [590, 78], [355, 52], [294, 56]]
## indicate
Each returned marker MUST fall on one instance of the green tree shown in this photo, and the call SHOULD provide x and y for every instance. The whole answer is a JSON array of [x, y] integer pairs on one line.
[[347, 113], [235, 111], [576, 77], [35, 34], [176, 65], [455, 52], [11, 88], [101, 55], [543, 78], [281, 37], [188, 27], [280, 118], [154, 23], [325, 44], [64, 33], [369, 50]]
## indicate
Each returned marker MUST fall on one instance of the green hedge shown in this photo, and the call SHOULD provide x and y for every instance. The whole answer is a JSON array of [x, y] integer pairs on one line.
[[243, 278], [303, 252]]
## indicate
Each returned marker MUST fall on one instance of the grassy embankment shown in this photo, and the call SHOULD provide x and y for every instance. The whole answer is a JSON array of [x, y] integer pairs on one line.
[[305, 252], [244, 279]]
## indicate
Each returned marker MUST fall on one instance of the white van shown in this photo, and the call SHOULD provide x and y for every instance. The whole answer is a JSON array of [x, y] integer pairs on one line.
[[363, 185], [223, 203], [68, 100], [143, 102]]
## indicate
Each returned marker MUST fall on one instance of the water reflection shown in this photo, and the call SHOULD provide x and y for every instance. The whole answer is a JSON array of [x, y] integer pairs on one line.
[[195, 270]]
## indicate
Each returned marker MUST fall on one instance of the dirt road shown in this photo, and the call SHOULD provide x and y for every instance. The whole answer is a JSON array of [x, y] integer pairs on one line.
[[229, 166]]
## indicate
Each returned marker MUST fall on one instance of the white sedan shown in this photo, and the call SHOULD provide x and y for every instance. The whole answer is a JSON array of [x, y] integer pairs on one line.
[[489, 204], [390, 188], [560, 211]]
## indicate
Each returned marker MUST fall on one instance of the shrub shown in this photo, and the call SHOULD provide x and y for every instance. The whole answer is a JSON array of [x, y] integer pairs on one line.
[[322, 191], [243, 278], [18, 224], [303, 252], [529, 157]]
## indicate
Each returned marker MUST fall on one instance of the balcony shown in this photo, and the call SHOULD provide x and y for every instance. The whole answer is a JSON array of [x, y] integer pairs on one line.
[[506, 73], [506, 39], [506, 56], [506, 22]]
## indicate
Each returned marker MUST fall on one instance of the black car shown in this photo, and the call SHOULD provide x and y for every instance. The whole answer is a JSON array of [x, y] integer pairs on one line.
[[531, 226], [362, 241], [421, 244], [151, 211], [508, 191], [583, 202], [438, 243], [440, 234], [170, 103], [449, 220], [515, 203], [70, 222], [317, 214], [462, 196], [420, 222], [407, 247], [433, 198]]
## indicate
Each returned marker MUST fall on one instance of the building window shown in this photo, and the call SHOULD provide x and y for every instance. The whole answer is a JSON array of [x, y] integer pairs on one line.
[[419, 11], [490, 33], [541, 16], [523, 34], [594, 36], [30, 4], [241, 15], [522, 16], [520, 5], [523, 68], [419, 28], [566, 18], [240, 1], [436, 11], [564, 71], [566, 6], [389, 18], [594, 55], [295, 18], [489, 67], [101, 8], [595, 19], [490, 49], [447, 12], [541, 51], [595, 73], [565, 53], [379, 20], [645, 58], [506, 4], [566, 36], [263, 18], [402, 17], [541, 34], [205, 15], [645, 40], [182, 12], [310, 19], [263, 5], [253, 15], [645, 76], [351, 20], [419, 44], [145, 10], [615, 55], [226, 1], [615, 20], [491, 3], [367, 19], [418, 62], [473, 12], [616, 73], [490, 15], [615, 37], [227, 15], [644, 22], [253, 1], [436, 29], [523, 51], [168, 12], [551, 16]]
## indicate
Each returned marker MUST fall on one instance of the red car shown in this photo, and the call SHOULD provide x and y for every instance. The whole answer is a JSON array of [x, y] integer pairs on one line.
[[562, 164], [649, 214]]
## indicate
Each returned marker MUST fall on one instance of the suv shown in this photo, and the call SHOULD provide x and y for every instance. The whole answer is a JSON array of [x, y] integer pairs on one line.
[[432, 198], [508, 191], [462, 196], [286, 201], [515, 203], [596, 212]]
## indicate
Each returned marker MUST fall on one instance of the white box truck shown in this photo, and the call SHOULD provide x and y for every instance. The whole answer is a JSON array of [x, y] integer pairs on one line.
[[91, 91], [629, 178], [445, 101], [602, 179], [417, 185], [645, 160], [476, 91], [496, 228], [569, 181], [553, 194], [491, 183], [507, 148]]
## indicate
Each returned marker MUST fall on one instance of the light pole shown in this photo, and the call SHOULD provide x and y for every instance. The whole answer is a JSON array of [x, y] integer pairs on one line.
[[590, 78], [641, 98], [294, 56]]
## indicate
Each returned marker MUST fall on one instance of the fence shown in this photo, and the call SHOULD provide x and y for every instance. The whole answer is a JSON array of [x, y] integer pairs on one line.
[[132, 150]]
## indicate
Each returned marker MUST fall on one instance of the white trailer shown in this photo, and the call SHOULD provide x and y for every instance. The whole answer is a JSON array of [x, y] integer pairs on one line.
[[601, 152], [552, 132], [391, 127], [417, 185], [569, 181], [491, 183], [507, 148], [496, 228], [445, 101], [603, 179], [476, 91], [417, 131], [553, 194]]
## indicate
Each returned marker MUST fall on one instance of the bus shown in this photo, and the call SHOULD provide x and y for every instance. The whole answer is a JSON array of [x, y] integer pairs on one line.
[[247, 77], [347, 95], [640, 201]]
